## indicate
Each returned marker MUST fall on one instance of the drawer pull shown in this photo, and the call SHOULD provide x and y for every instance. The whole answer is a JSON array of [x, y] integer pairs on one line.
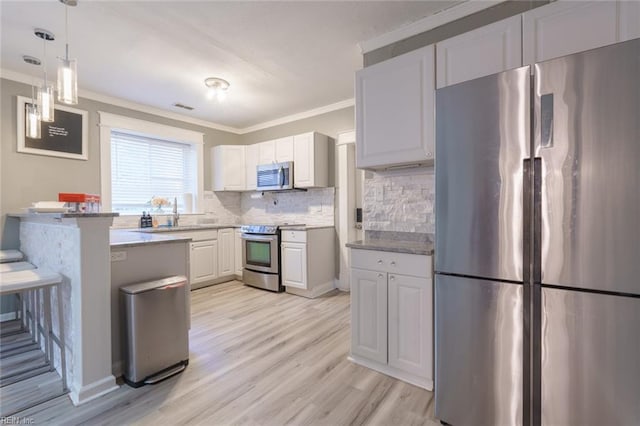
[[393, 263], [380, 275], [392, 278], [379, 261]]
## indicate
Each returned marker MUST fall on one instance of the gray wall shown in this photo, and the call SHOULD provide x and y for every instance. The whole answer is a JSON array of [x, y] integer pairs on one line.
[[25, 178]]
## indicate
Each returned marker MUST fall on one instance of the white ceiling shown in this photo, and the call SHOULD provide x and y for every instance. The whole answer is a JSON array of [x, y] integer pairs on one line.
[[281, 58]]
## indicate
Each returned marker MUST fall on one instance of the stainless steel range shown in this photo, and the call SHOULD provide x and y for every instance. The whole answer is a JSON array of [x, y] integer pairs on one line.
[[261, 256]]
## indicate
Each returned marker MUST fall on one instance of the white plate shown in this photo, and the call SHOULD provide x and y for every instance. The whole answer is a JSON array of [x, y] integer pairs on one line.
[[48, 209]]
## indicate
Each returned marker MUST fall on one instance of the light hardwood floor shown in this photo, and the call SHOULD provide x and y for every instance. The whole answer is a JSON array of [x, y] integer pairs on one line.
[[259, 358]]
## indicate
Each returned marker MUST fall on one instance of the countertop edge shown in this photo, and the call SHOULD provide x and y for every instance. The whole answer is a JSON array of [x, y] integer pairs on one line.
[[393, 247]]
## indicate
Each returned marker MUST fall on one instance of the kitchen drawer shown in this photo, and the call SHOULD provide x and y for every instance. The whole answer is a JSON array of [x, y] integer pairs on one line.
[[401, 263], [209, 234], [294, 236]]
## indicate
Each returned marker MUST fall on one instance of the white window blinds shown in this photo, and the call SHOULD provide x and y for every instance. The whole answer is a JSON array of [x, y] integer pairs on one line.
[[144, 167]]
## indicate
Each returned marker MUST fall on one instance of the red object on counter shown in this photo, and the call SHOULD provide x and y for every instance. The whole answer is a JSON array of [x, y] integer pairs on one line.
[[78, 198]]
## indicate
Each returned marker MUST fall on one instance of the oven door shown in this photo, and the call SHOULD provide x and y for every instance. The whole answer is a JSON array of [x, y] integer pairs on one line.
[[260, 253]]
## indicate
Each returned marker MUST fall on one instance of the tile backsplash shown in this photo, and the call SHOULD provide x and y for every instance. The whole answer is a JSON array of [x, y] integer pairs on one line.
[[399, 200], [313, 207]]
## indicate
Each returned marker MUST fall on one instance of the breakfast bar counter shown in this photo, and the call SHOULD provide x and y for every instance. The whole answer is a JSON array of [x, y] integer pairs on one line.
[[76, 245]]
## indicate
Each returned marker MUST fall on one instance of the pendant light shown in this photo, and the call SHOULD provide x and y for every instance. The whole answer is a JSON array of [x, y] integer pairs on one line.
[[67, 69], [45, 93], [32, 112]]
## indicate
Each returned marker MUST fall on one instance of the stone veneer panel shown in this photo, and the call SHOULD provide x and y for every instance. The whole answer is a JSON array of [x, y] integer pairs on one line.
[[400, 200], [55, 248]]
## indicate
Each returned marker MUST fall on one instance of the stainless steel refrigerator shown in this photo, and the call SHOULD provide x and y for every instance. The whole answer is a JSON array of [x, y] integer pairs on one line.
[[537, 288]]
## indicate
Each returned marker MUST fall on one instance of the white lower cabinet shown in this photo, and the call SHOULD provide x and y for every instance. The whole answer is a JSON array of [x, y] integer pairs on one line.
[[226, 255], [204, 261], [307, 261], [410, 323], [392, 314], [237, 250], [369, 314], [213, 255], [294, 265]]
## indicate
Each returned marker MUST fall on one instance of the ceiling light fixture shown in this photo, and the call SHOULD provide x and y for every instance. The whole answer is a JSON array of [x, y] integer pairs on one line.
[[217, 88], [68, 68], [32, 112], [46, 91]]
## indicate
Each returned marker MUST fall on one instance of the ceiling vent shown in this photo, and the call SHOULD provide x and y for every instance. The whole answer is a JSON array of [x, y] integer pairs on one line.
[[183, 106]]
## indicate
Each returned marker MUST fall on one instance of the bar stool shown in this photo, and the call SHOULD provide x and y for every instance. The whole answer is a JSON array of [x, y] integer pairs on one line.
[[39, 280], [25, 307]]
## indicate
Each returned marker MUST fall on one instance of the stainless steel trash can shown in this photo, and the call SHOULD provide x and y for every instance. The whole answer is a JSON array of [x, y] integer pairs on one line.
[[156, 318]]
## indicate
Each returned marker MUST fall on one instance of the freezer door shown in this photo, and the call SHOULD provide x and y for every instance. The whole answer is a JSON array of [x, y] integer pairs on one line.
[[478, 351], [482, 138], [590, 358], [587, 131]]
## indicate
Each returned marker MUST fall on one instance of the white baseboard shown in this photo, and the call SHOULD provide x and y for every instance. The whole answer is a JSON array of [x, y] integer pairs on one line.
[[314, 292], [393, 372], [94, 390]]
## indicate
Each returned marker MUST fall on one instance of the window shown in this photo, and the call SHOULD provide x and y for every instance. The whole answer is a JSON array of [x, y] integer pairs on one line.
[[142, 160], [142, 168]]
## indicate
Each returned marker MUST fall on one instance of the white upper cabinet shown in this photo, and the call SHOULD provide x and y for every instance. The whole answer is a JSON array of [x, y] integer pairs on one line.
[[566, 27], [267, 152], [395, 111], [251, 163], [310, 160], [284, 149], [484, 51], [228, 165]]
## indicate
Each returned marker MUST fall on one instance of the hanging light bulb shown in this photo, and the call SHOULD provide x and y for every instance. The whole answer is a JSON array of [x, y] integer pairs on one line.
[[68, 68], [32, 117], [45, 93]]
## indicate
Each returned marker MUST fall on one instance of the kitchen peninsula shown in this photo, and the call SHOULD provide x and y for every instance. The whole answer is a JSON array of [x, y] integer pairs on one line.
[[76, 245]]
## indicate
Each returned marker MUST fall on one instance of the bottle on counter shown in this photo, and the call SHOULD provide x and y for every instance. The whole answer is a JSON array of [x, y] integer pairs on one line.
[[143, 220], [149, 221]]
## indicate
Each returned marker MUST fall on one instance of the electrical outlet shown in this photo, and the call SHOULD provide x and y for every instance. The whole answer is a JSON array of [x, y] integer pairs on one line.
[[117, 256]]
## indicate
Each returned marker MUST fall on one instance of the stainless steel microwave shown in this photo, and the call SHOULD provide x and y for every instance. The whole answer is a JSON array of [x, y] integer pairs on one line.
[[275, 176]]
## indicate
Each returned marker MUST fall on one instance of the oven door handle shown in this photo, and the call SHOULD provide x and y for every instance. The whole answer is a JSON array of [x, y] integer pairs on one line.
[[254, 237]]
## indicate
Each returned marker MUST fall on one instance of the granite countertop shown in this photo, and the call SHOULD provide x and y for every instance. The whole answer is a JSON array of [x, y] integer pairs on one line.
[[303, 227], [122, 238], [396, 246], [167, 229]]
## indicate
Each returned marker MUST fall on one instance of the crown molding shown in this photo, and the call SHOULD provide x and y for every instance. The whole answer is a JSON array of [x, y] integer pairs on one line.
[[428, 23], [301, 115], [99, 97]]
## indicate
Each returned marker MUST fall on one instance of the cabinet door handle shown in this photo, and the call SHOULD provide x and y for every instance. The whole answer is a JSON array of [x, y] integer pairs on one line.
[[392, 278], [379, 261], [393, 263], [380, 275]]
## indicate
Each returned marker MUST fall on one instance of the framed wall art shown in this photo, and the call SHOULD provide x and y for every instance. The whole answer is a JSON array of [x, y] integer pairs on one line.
[[67, 136]]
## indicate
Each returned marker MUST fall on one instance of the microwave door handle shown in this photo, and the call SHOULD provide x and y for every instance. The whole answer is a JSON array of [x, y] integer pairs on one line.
[[281, 176]]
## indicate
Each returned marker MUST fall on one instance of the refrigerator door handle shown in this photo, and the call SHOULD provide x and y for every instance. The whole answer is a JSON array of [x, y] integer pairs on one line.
[[546, 121], [527, 214]]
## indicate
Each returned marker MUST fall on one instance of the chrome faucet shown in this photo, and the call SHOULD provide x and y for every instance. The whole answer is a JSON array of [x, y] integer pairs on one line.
[[176, 215]]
